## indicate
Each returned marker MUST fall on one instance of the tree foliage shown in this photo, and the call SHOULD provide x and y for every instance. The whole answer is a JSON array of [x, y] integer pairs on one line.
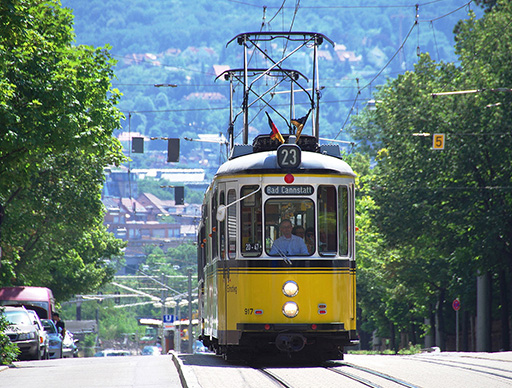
[[446, 214], [57, 109]]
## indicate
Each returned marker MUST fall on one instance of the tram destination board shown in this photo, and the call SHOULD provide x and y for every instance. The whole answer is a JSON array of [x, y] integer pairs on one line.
[[289, 190]]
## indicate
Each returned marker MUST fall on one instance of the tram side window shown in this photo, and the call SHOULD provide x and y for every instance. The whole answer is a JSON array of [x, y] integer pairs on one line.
[[343, 219], [301, 214], [231, 225], [213, 218], [251, 222], [222, 229], [204, 241], [327, 238]]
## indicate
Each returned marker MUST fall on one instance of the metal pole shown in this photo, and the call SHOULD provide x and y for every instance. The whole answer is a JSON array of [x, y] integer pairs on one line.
[[457, 330], [246, 96], [313, 91], [190, 333], [178, 329], [292, 102], [231, 134]]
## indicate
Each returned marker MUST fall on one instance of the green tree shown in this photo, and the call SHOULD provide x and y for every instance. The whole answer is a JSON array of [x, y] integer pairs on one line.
[[435, 205], [57, 110]]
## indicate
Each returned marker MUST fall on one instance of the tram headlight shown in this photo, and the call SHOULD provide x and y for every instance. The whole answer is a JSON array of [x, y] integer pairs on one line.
[[290, 288], [290, 309]]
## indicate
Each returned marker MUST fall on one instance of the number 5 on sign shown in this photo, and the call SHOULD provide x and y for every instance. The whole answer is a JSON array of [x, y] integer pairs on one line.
[[438, 141]]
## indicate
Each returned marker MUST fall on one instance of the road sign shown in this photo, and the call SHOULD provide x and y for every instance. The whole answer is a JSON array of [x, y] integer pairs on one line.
[[168, 320], [456, 304], [438, 141]]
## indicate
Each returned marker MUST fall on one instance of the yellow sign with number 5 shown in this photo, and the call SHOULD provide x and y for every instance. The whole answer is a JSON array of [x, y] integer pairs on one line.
[[438, 141]]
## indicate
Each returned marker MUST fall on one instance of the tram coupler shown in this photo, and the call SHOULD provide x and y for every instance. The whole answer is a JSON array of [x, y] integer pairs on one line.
[[290, 342]]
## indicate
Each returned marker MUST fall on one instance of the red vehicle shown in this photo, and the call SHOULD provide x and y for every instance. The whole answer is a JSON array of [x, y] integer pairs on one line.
[[39, 299]]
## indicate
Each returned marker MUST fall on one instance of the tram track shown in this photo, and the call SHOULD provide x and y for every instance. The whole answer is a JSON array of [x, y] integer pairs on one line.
[[473, 367], [274, 378], [371, 381], [371, 372]]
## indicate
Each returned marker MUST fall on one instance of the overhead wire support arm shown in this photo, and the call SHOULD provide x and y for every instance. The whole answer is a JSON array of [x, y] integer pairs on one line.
[[304, 39], [290, 35], [286, 73]]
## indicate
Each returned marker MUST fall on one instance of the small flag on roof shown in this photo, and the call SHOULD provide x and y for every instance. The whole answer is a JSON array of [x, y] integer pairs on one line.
[[275, 132], [299, 124]]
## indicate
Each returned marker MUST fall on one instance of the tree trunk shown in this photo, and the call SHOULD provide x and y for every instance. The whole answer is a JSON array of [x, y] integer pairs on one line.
[[392, 345], [483, 313], [440, 326], [504, 312], [465, 331]]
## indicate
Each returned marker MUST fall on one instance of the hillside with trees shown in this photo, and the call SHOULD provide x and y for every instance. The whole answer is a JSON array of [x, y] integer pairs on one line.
[[179, 42]]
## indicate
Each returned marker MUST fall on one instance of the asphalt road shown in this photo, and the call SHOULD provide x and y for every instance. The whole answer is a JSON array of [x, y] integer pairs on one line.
[[428, 370], [94, 372]]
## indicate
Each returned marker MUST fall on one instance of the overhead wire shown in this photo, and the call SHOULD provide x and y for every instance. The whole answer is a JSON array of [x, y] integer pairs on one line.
[[415, 24], [280, 9]]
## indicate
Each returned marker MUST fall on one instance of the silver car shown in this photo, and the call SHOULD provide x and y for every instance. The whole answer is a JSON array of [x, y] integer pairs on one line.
[[43, 336], [55, 339], [22, 332], [69, 348]]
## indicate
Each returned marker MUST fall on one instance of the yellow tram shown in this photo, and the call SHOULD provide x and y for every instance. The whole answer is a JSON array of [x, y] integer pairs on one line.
[[276, 252]]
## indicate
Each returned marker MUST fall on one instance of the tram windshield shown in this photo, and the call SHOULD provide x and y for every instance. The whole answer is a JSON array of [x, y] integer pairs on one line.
[[290, 227]]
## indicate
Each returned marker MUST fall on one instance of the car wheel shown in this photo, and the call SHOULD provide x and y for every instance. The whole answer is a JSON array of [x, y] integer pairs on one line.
[[38, 353]]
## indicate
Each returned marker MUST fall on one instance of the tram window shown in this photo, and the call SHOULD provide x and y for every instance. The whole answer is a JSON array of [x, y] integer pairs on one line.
[[251, 222], [299, 211], [231, 225], [222, 229], [215, 242], [204, 239], [327, 239], [343, 220]]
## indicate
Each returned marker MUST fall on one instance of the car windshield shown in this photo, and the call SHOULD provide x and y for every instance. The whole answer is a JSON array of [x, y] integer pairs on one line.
[[18, 317], [48, 327]]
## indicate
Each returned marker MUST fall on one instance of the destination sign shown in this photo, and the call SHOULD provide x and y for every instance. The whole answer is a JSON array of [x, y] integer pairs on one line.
[[289, 190]]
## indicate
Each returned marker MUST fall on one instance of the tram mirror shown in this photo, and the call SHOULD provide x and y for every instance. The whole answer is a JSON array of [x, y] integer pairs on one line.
[[221, 213]]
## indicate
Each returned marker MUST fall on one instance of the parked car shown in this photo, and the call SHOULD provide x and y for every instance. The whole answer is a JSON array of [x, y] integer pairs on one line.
[[54, 339], [22, 332], [69, 348], [43, 336], [151, 351], [112, 353], [199, 347]]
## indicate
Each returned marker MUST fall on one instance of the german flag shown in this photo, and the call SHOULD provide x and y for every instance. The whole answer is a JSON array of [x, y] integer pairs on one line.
[[275, 132]]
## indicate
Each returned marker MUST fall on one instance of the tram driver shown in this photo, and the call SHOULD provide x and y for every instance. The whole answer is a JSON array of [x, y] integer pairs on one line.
[[288, 244]]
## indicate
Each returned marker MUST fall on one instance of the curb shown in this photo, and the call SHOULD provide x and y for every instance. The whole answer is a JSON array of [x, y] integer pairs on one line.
[[187, 377]]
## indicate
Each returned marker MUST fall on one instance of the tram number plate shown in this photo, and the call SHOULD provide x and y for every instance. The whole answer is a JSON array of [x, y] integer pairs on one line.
[[248, 311], [288, 156]]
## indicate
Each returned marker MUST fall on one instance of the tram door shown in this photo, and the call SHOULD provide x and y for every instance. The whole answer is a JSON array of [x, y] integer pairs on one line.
[[227, 254]]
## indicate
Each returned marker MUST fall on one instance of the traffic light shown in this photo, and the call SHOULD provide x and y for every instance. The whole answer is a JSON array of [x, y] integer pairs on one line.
[[173, 150], [138, 145], [179, 195]]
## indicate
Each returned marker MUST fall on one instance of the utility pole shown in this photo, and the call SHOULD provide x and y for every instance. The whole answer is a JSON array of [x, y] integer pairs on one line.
[[190, 326]]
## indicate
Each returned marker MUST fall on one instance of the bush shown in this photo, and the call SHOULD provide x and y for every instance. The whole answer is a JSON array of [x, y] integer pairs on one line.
[[8, 351]]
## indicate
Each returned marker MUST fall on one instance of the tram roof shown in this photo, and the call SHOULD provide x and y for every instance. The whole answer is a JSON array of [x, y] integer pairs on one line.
[[266, 163]]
